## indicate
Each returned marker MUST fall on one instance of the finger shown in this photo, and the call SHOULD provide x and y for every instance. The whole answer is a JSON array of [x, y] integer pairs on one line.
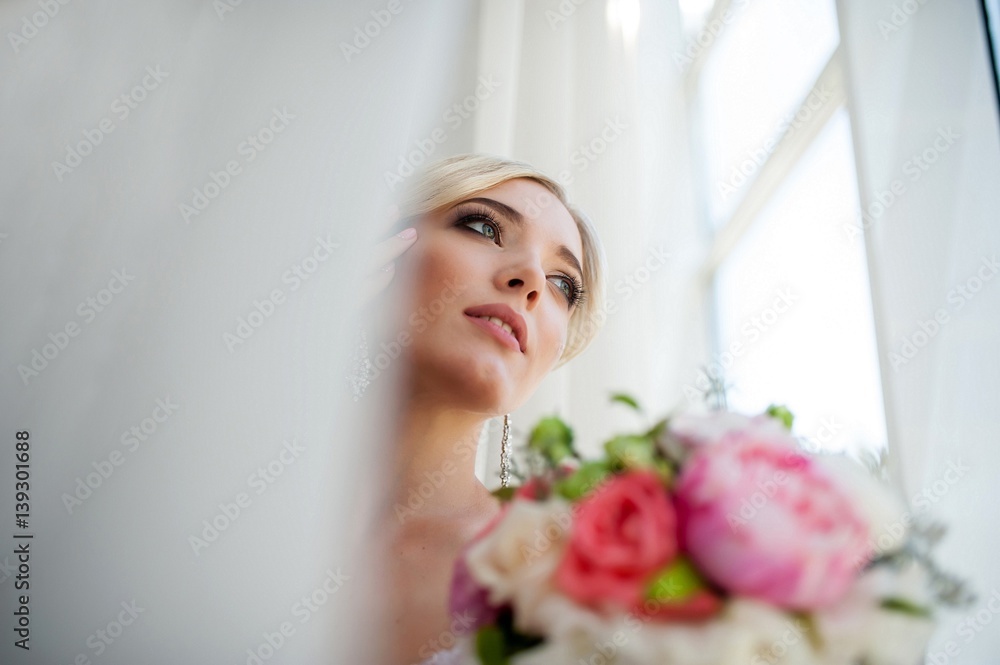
[[389, 250]]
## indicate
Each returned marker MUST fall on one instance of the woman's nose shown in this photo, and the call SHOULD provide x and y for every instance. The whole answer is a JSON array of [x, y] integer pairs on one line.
[[527, 279]]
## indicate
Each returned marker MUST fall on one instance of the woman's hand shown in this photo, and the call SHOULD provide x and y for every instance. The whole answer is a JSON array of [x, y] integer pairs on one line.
[[383, 265]]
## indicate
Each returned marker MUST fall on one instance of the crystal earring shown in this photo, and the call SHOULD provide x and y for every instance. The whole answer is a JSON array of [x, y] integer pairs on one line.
[[361, 372], [505, 453]]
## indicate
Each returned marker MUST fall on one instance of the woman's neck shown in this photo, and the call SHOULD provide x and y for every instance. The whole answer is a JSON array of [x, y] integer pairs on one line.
[[434, 470]]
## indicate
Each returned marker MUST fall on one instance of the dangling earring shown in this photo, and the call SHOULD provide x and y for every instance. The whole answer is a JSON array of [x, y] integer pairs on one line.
[[505, 452], [361, 372]]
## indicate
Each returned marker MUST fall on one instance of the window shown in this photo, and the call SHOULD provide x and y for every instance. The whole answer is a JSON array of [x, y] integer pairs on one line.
[[777, 184]]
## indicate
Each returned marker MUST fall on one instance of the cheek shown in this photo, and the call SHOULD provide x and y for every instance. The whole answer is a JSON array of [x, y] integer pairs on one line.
[[554, 335], [440, 267]]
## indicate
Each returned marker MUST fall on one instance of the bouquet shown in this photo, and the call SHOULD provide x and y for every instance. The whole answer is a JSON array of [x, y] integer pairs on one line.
[[709, 539]]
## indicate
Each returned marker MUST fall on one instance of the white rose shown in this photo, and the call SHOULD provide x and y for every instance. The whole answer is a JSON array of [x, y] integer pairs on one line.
[[517, 560], [881, 507]]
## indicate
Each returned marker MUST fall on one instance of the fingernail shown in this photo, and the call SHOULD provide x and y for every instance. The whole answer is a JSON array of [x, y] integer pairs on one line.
[[407, 234]]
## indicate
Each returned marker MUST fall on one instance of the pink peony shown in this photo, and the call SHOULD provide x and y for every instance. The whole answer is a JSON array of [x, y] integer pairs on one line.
[[694, 430], [622, 534], [762, 519]]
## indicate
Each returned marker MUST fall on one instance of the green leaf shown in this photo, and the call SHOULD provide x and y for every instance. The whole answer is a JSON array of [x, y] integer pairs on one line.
[[807, 623], [490, 646], [584, 479], [782, 413], [504, 493], [657, 430], [678, 581], [553, 439], [904, 606], [631, 452], [495, 644], [626, 399]]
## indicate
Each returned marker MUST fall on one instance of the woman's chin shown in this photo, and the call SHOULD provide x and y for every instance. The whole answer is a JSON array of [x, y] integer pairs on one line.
[[482, 378]]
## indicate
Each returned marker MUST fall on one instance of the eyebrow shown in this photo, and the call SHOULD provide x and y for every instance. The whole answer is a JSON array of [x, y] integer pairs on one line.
[[562, 251]]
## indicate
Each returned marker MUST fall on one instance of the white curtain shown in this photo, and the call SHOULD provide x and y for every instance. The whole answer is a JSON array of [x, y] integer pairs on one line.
[[178, 356], [926, 130]]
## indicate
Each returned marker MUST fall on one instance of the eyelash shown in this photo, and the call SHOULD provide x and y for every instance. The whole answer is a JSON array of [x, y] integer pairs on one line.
[[484, 214]]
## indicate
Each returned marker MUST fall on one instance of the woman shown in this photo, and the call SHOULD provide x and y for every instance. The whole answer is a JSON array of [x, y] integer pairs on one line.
[[501, 285]]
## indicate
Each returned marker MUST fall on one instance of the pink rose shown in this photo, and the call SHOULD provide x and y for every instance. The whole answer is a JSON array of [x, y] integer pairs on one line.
[[622, 533], [762, 519]]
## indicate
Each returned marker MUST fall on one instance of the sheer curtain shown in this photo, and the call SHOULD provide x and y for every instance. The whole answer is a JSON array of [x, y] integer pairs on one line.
[[925, 118], [189, 190]]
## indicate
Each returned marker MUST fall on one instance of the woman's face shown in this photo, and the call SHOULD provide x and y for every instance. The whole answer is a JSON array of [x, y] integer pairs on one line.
[[513, 252]]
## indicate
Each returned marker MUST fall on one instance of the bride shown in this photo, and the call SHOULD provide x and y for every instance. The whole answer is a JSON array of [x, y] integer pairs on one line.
[[500, 284]]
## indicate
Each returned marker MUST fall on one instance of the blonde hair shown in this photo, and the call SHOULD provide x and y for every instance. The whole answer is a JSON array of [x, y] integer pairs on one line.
[[449, 181]]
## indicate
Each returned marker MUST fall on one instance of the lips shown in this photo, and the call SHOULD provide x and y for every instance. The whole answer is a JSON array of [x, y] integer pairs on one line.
[[518, 335]]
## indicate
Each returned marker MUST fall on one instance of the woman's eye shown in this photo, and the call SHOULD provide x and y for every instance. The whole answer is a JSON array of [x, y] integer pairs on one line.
[[566, 286], [490, 229]]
